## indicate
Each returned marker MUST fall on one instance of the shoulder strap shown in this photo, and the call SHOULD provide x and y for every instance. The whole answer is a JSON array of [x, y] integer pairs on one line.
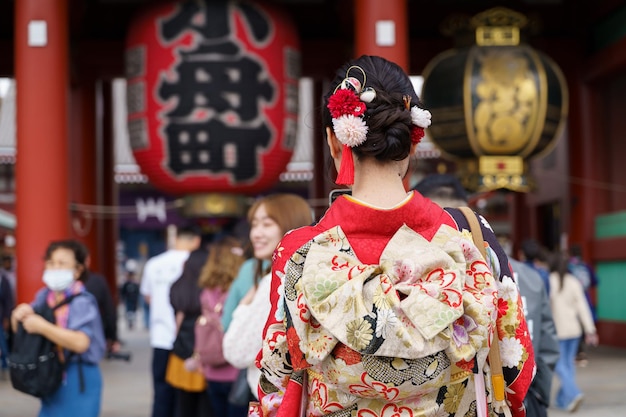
[[219, 302], [477, 232], [67, 300], [66, 361], [215, 302], [495, 364]]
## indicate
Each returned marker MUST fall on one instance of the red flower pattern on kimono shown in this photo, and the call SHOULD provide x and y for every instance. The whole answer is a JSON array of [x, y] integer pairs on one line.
[[373, 389], [320, 397], [390, 410]]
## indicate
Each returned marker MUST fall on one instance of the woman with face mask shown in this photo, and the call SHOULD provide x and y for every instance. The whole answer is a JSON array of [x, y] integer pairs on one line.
[[77, 330]]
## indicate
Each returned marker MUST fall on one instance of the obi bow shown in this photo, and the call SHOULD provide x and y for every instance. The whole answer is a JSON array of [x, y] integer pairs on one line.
[[423, 297]]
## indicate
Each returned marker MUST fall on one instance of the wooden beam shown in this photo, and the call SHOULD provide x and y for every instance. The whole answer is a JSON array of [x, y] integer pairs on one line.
[[611, 249]]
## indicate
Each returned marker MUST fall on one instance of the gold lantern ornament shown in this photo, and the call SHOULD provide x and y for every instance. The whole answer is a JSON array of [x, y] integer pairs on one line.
[[496, 104]]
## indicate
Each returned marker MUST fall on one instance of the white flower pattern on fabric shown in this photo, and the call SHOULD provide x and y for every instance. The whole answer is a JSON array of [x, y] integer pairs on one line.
[[494, 263], [280, 310], [507, 289], [485, 222], [511, 351], [386, 322]]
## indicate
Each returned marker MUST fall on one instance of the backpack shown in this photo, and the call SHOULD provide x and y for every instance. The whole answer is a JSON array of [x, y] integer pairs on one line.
[[34, 364], [581, 272], [208, 330]]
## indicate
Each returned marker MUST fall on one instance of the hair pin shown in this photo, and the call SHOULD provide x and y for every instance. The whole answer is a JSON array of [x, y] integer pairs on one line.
[[407, 101]]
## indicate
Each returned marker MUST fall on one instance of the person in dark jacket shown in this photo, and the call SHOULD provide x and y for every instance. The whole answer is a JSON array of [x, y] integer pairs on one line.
[[543, 333], [96, 284], [533, 254], [447, 191], [185, 300], [129, 293], [6, 306]]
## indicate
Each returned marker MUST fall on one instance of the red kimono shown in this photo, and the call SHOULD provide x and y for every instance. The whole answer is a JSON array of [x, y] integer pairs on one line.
[[390, 311]]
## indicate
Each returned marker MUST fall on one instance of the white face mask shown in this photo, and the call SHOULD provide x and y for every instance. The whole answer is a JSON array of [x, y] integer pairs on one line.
[[58, 279]]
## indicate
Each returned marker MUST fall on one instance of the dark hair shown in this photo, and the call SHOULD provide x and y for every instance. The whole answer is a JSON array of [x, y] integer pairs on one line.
[[559, 264], [184, 293], [189, 231], [388, 120], [533, 251], [80, 253], [443, 186], [576, 251]]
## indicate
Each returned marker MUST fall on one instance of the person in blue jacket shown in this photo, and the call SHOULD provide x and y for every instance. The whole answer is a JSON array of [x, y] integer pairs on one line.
[[78, 330]]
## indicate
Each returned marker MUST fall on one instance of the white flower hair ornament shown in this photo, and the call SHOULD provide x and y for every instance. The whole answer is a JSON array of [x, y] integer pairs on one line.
[[420, 119], [350, 130], [347, 105]]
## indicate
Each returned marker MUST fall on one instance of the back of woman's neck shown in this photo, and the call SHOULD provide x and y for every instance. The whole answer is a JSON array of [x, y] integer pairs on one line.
[[380, 195], [380, 184]]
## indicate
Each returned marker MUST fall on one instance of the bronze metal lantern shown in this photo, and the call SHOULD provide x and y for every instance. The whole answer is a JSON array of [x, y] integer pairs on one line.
[[495, 104]]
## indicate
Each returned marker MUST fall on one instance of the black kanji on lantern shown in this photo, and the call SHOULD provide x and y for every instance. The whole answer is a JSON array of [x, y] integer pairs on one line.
[[211, 20], [218, 86], [215, 125], [197, 149]]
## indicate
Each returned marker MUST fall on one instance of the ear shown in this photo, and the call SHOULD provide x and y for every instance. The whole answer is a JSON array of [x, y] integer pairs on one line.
[[78, 271], [333, 143]]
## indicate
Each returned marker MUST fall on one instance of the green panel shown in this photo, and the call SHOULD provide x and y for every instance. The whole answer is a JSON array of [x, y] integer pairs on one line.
[[609, 30], [611, 290], [611, 225]]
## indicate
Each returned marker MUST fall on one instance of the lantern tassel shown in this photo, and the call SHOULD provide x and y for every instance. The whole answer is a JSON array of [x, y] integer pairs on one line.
[[345, 176]]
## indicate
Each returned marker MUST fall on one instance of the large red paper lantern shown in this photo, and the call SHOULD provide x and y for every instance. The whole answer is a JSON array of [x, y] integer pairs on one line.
[[212, 95]]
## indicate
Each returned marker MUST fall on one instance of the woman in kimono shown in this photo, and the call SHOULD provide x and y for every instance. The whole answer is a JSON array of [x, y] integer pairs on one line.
[[386, 306]]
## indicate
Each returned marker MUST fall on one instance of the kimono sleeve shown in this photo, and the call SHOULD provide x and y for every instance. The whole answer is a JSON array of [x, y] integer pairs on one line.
[[273, 359], [516, 350]]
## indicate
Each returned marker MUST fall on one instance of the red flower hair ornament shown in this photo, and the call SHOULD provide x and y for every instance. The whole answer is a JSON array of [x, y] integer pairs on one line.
[[347, 105], [420, 119]]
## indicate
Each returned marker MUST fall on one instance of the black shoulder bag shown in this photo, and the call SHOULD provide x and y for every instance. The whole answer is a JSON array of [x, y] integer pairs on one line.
[[35, 367]]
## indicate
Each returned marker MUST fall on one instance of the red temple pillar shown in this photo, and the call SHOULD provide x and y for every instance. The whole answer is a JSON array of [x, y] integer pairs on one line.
[[381, 29], [41, 72], [83, 169]]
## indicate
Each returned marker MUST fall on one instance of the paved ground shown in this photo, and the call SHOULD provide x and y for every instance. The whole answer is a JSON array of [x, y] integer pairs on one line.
[[603, 382], [128, 389]]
